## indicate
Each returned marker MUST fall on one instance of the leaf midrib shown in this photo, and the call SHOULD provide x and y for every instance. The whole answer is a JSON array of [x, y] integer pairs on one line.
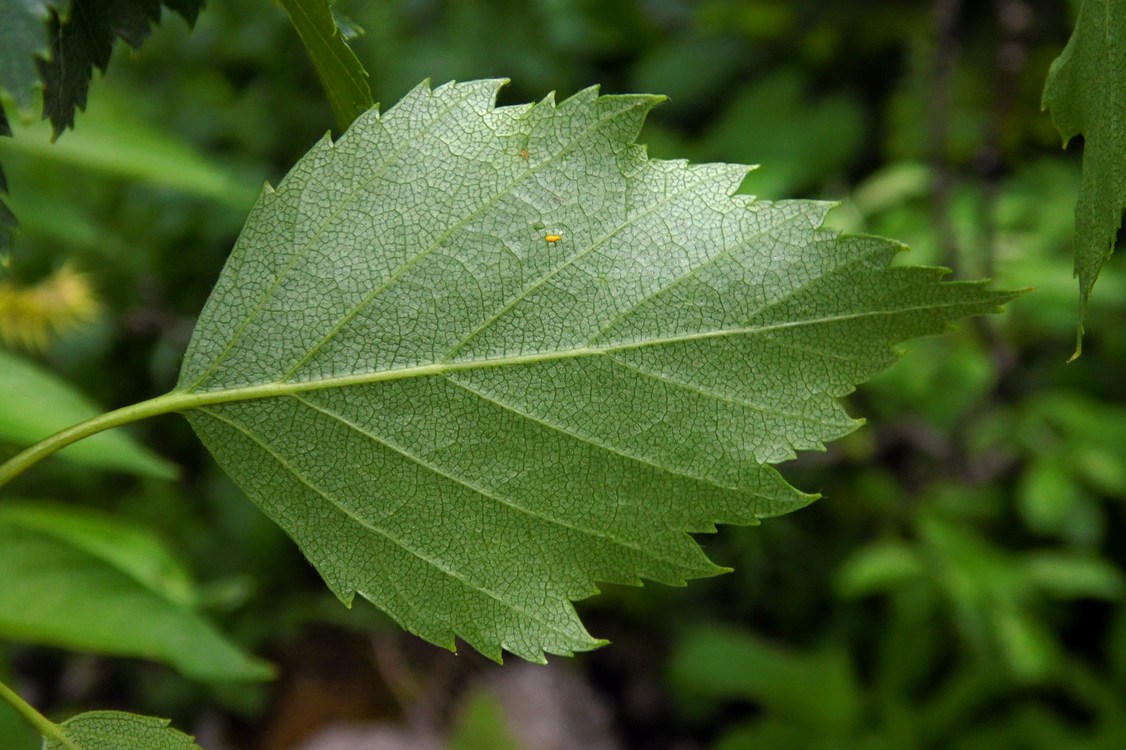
[[186, 399]]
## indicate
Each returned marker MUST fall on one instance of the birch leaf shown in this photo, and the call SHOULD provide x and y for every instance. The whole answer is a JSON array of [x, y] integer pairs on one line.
[[476, 359]]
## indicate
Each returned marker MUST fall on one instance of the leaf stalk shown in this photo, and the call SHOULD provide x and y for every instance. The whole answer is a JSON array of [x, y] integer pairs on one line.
[[36, 453], [42, 724]]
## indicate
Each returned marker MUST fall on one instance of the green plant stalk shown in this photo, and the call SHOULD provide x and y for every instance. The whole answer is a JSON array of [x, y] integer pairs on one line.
[[36, 453], [42, 724]]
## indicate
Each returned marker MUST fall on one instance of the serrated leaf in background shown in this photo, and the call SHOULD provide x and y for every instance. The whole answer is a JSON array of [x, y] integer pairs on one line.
[[37, 403], [1086, 93], [53, 47], [23, 42], [84, 39], [63, 583], [470, 424], [343, 77], [117, 730]]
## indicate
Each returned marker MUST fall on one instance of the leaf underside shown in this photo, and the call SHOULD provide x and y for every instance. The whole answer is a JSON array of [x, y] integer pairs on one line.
[[469, 425], [117, 730], [1086, 92]]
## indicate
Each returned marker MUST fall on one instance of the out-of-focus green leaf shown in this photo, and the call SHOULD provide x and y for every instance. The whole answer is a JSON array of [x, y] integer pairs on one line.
[[1067, 576], [1028, 645], [879, 567], [1049, 499], [994, 593], [113, 141], [1083, 437], [802, 140], [819, 689], [343, 77], [1086, 92], [892, 186], [482, 725], [691, 71], [68, 587], [777, 735], [130, 549], [37, 403], [116, 730], [464, 327], [942, 380]]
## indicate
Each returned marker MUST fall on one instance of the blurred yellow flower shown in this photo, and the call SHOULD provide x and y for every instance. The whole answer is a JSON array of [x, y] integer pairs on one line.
[[31, 315]]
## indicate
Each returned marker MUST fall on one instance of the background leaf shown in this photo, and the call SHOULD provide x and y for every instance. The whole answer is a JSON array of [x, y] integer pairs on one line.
[[24, 42], [471, 426], [117, 730], [818, 690], [1086, 92], [343, 77], [53, 47], [37, 404], [86, 580], [117, 142], [128, 548], [83, 38]]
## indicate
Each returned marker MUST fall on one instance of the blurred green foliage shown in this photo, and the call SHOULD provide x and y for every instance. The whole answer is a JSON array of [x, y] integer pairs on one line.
[[959, 586]]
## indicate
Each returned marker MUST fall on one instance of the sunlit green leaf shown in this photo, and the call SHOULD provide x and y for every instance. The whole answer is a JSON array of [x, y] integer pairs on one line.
[[471, 424]]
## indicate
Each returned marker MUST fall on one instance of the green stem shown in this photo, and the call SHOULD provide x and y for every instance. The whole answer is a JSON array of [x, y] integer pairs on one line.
[[36, 453], [42, 724]]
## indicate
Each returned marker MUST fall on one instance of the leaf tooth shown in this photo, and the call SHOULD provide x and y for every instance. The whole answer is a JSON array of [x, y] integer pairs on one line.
[[581, 99]]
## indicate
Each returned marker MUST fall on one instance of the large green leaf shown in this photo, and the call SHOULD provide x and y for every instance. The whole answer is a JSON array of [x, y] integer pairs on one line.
[[470, 425], [37, 403], [79, 579], [1086, 91], [117, 730]]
